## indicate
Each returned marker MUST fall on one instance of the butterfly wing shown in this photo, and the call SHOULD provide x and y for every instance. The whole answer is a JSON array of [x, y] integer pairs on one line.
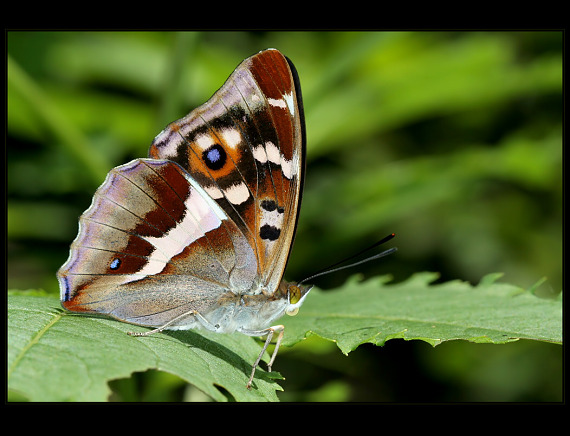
[[153, 246], [212, 213], [246, 148]]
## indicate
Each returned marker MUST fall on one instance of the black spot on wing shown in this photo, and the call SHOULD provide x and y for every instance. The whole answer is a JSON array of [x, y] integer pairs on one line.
[[268, 232]]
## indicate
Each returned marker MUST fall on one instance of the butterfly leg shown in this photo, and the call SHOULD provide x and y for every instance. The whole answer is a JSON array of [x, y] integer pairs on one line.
[[165, 326], [269, 332]]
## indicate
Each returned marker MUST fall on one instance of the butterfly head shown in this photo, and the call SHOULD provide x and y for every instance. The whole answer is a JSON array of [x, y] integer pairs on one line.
[[295, 296]]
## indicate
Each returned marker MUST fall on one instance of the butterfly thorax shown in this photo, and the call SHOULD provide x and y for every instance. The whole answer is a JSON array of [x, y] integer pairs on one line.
[[241, 312]]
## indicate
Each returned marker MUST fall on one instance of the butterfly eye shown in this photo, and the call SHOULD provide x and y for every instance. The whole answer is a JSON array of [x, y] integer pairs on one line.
[[294, 297], [294, 294]]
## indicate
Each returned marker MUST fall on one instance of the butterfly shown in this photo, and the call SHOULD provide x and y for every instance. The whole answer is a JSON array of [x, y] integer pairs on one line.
[[198, 234]]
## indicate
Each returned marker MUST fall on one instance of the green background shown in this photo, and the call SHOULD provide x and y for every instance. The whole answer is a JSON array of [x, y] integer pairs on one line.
[[451, 140]]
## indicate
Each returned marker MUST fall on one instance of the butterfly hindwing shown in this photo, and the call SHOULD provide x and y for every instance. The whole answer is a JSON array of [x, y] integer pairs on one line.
[[131, 257]]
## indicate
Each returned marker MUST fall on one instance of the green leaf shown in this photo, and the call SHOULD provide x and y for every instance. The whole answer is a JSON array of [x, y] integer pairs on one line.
[[375, 312], [58, 356], [55, 356]]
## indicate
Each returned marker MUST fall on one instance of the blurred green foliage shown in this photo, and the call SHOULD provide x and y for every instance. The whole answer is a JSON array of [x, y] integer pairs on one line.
[[452, 140]]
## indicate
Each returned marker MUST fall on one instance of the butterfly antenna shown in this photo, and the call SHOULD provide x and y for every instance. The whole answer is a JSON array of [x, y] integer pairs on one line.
[[333, 268]]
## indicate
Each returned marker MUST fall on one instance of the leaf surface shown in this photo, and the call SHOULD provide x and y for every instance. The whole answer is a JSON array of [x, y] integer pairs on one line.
[[374, 311], [58, 356]]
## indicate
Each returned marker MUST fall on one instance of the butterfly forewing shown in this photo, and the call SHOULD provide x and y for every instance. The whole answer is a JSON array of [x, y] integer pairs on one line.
[[245, 146]]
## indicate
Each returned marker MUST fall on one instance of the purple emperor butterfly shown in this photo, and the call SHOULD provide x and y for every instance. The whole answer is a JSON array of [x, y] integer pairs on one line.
[[198, 235]]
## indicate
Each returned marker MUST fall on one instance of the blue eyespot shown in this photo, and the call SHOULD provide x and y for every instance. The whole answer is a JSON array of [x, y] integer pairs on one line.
[[214, 157], [115, 263]]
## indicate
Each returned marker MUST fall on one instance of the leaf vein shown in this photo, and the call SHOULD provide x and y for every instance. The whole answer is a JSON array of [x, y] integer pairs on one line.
[[33, 342]]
